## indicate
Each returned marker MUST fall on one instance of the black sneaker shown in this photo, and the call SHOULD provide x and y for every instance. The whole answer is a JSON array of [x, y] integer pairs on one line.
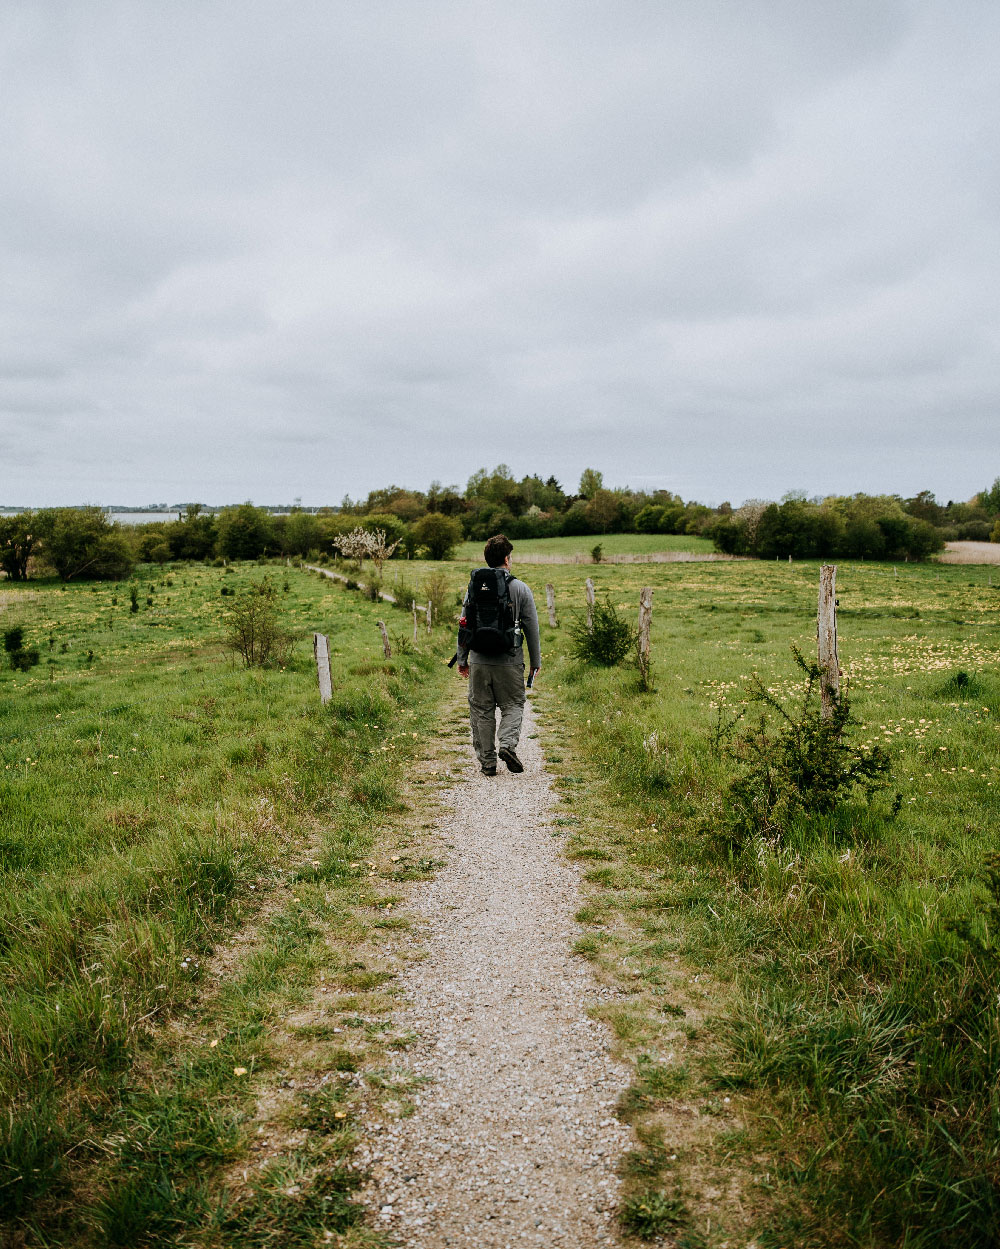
[[488, 771], [513, 763]]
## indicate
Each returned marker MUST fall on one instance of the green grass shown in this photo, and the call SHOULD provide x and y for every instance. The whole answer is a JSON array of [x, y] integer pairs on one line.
[[857, 954], [155, 796], [610, 543]]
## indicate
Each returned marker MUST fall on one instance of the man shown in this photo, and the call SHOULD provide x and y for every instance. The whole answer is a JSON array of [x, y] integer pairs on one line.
[[496, 673]]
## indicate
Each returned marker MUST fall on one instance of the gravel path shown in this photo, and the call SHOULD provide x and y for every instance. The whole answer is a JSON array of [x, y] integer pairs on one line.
[[514, 1141]]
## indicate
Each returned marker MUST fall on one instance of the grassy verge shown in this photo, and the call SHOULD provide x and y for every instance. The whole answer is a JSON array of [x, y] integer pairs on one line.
[[194, 857], [812, 1010]]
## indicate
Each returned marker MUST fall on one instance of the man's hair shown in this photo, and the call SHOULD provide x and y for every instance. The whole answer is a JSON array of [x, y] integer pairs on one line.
[[496, 550]]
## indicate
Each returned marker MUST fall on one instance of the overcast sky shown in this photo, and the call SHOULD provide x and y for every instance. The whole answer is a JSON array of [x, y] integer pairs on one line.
[[262, 249]]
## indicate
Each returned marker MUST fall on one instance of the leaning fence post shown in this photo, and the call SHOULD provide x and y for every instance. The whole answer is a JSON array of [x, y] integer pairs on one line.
[[826, 629], [590, 605], [386, 648], [645, 621], [550, 600], [321, 649]]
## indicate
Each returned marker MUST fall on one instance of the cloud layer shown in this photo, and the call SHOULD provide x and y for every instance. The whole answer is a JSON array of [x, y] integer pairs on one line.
[[266, 250]]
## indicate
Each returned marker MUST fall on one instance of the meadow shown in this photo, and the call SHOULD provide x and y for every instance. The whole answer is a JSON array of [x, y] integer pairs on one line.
[[161, 802], [610, 543], [823, 993], [848, 1051]]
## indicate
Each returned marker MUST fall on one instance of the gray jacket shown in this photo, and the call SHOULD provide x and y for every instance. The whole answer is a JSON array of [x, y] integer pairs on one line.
[[524, 608]]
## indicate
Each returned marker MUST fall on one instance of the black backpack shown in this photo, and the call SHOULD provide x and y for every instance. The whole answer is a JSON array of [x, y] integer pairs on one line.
[[488, 624]]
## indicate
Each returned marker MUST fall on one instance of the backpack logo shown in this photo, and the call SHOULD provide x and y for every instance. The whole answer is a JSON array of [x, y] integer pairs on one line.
[[489, 626]]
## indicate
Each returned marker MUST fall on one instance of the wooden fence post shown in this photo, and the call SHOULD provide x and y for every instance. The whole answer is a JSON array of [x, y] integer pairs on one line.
[[645, 621], [550, 599], [386, 648], [826, 629], [321, 649], [590, 605]]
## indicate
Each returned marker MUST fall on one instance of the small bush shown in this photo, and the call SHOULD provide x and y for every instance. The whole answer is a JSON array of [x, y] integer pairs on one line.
[[13, 639], [436, 592], [609, 641], [403, 592], [253, 628], [20, 657], [801, 765], [597, 553]]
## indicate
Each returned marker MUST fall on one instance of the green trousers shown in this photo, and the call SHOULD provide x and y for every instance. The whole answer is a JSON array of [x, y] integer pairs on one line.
[[492, 686]]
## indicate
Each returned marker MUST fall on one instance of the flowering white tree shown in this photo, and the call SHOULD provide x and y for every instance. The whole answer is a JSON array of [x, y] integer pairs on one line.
[[362, 544]]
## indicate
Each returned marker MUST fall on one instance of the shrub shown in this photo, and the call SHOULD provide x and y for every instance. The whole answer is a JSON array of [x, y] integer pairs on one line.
[[17, 541], [436, 592], [609, 640], [438, 535], [80, 541], [245, 532], [797, 764], [21, 657], [403, 592], [13, 639], [253, 628]]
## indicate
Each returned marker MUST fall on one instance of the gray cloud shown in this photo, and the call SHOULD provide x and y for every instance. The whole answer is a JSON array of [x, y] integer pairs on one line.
[[268, 250]]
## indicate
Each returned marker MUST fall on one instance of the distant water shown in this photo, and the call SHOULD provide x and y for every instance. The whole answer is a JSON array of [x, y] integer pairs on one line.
[[123, 518], [143, 518], [133, 518]]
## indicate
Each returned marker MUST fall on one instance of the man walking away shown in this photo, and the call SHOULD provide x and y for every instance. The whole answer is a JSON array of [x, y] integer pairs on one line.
[[498, 616]]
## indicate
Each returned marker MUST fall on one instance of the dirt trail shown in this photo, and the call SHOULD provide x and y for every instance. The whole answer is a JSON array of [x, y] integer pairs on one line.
[[515, 1140]]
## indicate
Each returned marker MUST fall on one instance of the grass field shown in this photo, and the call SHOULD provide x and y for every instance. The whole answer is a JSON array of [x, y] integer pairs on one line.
[[157, 801], [610, 543], [848, 1054], [191, 853]]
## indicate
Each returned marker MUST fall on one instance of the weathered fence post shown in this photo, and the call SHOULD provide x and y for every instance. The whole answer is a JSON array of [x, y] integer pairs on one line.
[[321, 649], [430, 607], [413, 608], [826, 629], [386, 648], [590, 605], [550, 600], [645, 621]]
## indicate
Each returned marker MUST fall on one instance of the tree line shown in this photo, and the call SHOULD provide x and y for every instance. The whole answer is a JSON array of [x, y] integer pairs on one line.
[[83, 542]]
